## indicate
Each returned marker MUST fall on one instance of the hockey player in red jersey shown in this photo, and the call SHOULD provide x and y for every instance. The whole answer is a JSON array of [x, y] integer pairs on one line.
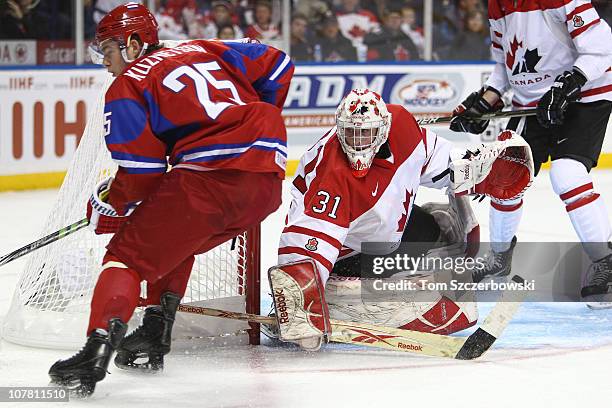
[[555, 55], [212, 111], [358, 184]]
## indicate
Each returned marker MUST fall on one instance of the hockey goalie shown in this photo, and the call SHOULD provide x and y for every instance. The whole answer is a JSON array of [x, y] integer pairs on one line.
[[358, 184]]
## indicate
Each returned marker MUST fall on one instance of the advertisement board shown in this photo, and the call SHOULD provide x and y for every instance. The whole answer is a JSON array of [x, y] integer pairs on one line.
[[43, 112]]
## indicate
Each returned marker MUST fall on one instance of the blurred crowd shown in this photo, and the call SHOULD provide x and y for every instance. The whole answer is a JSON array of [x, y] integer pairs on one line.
[[321, 30]]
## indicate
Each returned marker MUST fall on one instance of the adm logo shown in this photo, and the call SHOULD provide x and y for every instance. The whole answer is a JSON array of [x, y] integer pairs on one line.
[[426, 93]]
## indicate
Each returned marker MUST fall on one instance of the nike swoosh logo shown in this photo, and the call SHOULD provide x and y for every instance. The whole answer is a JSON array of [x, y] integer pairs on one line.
[[375, 190], [561, 141]]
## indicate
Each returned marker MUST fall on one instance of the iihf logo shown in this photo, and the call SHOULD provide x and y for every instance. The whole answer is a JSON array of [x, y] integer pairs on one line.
[[312, 244]]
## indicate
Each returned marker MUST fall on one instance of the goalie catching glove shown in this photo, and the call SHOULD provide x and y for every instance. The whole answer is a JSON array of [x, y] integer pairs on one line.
[[103, 218], [502, 170], [299, 302]]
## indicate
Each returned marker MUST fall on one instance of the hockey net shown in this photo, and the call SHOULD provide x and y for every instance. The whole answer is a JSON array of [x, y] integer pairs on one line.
[[50, 307]]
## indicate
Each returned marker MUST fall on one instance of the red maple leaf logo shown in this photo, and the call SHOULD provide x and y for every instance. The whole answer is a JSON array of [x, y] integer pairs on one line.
[[356, 31], [510, 56], [401, 53], [401, 225]]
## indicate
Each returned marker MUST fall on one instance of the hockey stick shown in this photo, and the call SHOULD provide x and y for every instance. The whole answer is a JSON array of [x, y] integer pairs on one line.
[[495, 115], [44, 241], [438, 345]]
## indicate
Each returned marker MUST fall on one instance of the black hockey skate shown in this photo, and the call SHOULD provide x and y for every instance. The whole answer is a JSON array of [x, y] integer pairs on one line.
[[81, 372], [600, 280], [152, 339], [500, 264]]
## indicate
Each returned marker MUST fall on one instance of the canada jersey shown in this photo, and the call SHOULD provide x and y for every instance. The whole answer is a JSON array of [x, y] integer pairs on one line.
[[332, 211], [533, 41], [204, 105]]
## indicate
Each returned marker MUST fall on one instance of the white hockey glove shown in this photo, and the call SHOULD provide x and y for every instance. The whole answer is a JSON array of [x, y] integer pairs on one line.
[[103, 218], [502, 170], [299, 302]]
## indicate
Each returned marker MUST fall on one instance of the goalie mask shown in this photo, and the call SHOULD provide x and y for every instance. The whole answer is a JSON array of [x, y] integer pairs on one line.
[[119, 25], [362, 123]]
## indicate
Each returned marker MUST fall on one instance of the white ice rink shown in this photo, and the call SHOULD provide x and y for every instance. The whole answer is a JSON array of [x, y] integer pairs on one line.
[[549, 356]]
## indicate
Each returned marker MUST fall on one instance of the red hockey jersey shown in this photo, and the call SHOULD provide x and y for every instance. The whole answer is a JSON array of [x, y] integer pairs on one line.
[[205, 105], [533, 41], [332, 212]]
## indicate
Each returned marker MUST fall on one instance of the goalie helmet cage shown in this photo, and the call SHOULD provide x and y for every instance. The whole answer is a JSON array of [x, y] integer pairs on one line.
[[50, 306]]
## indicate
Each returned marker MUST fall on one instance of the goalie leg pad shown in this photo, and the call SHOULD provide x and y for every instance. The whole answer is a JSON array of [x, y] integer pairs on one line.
[[299, 301]]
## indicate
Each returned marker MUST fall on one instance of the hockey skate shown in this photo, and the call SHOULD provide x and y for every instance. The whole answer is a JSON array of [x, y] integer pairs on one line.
[[499, 264], [599, 278], [81, 372], [152, 339]]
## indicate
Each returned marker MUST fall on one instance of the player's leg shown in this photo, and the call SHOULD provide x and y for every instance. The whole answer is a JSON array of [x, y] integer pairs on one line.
[[200, 210], [576, 151], [421, 229], [443, 229], [504, 219], [114, 300], [145, 347]]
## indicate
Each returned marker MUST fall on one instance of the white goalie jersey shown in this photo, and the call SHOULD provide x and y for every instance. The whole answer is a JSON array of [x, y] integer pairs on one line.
[[332, 212]]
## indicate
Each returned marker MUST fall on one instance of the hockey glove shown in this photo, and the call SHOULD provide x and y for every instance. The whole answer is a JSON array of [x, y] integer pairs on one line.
[[502, 170], [565, 89], [103, 218], [466, 115]]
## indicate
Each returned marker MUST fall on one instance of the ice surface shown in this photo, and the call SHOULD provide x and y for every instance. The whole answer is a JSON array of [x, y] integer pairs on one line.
[[550, 355]]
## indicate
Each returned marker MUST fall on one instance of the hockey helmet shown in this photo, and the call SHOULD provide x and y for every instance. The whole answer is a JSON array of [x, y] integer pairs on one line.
[[362, 127], [120, 24]]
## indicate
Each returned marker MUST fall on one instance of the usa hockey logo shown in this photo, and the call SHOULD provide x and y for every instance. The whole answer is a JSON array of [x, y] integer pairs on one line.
[[421, 93], [312, 244], [578, 21]]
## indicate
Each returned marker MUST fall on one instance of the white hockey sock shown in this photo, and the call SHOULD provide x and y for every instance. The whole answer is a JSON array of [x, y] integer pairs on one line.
[[584, 206], [503, 223]]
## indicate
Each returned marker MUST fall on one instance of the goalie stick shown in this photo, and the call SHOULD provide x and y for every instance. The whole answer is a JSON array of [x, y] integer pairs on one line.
[[438, 345], [436, 120]]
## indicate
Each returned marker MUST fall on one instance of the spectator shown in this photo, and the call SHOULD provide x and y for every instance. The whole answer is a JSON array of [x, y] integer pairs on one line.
[[185, 16], [21, 19], [301, 48], [355, 23], [412, 29], [391, 44], [226, 32], [445, 27], [221, 14], [263, 29], [474, 42], [331, 45], [466, 7], [315, 11], [102, 7]]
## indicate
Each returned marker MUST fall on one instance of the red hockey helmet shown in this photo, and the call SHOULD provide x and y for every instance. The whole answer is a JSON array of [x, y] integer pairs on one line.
[[121, 23]]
